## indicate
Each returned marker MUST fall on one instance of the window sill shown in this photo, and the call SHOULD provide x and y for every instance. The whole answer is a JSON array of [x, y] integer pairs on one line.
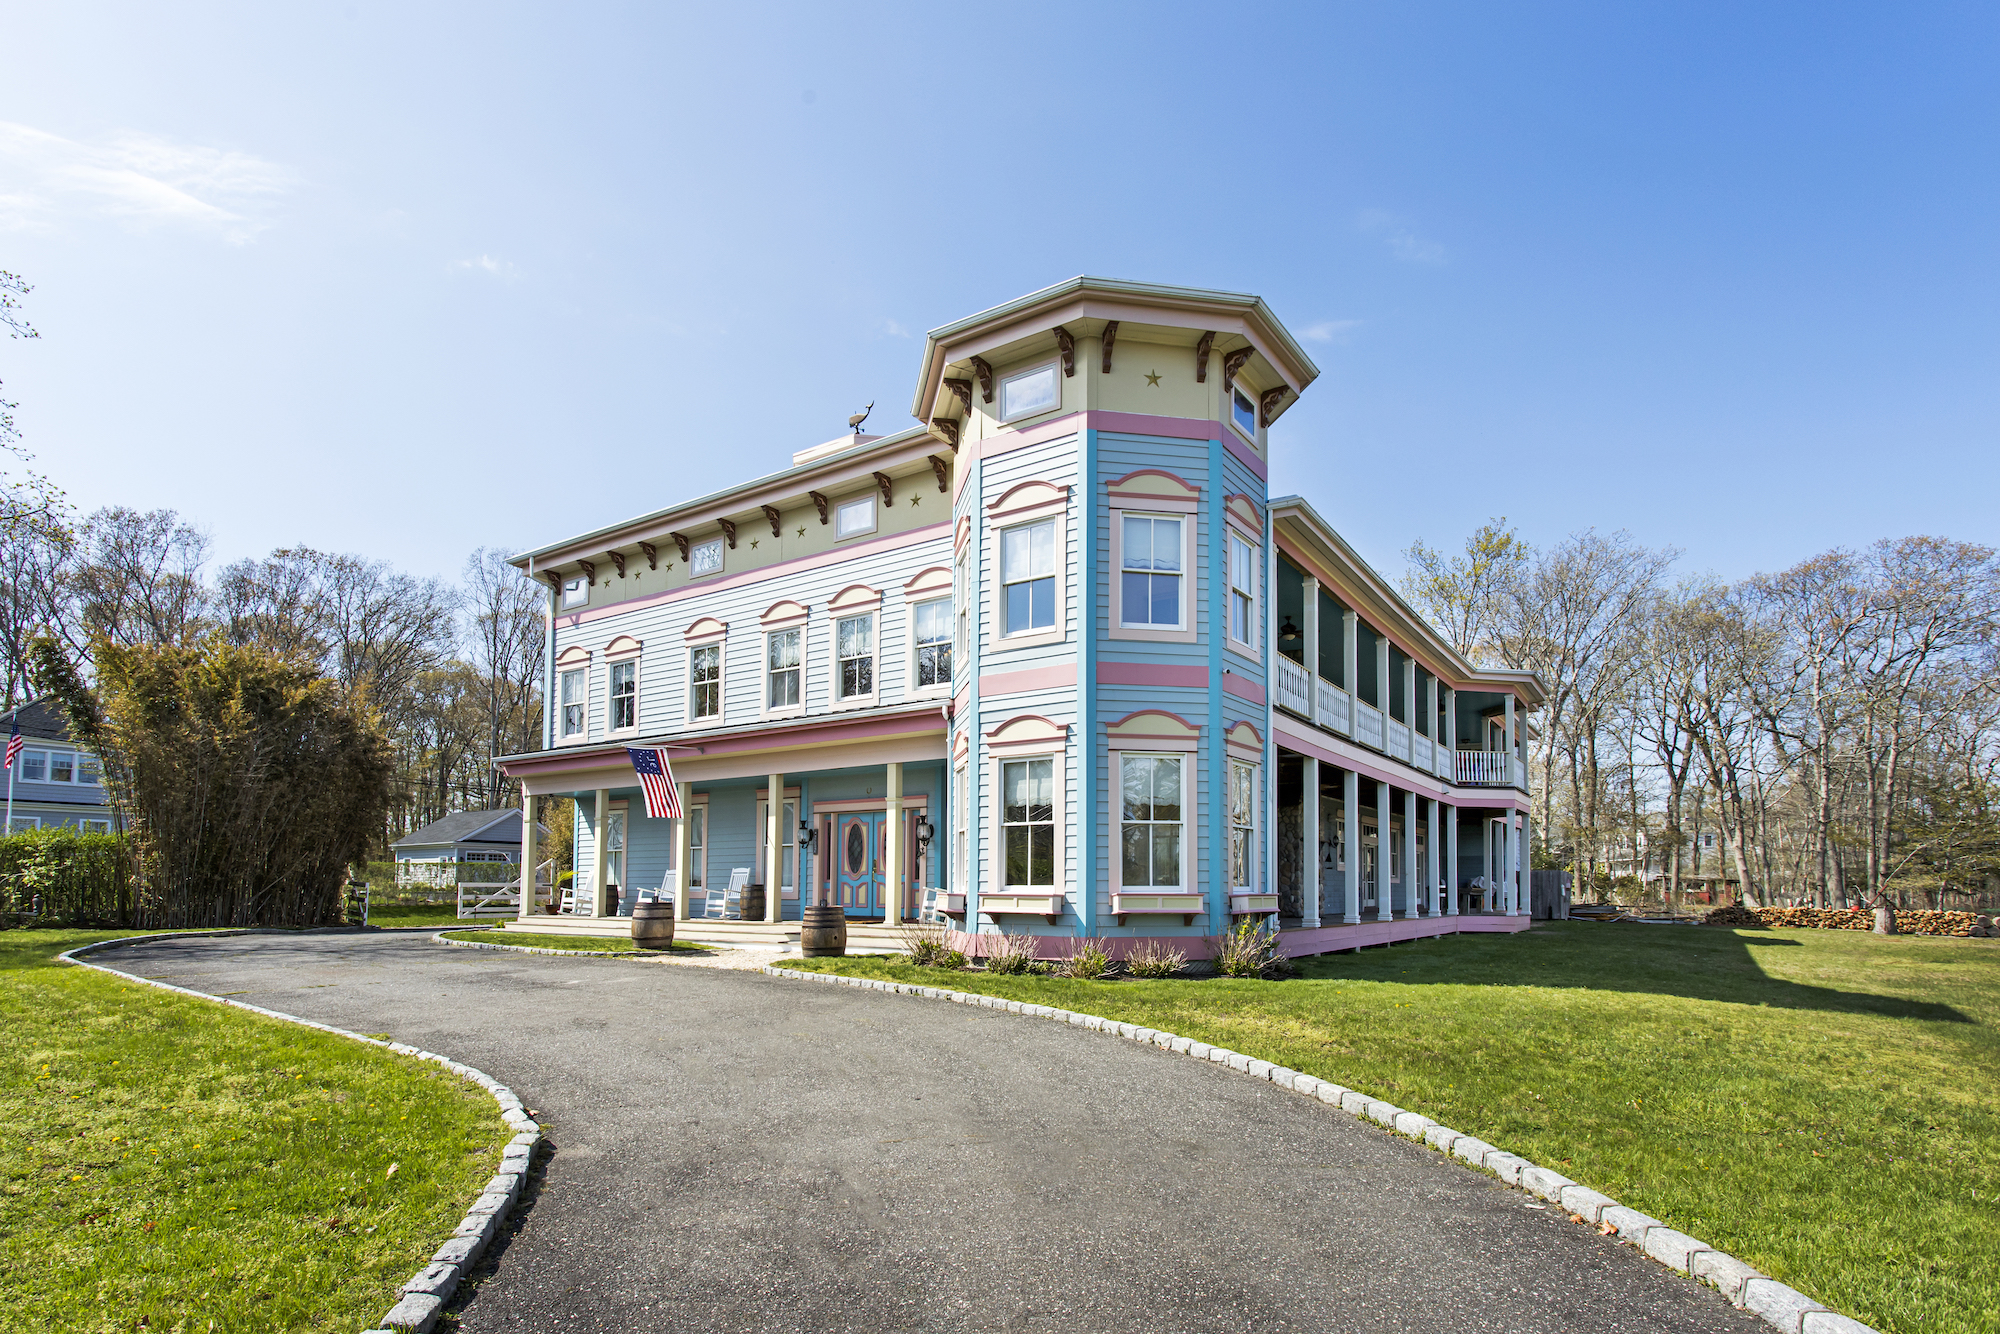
[[1243, 650], [1155, 634], [1189, 906], [930, 692], [779, 715], [1029, 639], [1044, 903], [855, 702]]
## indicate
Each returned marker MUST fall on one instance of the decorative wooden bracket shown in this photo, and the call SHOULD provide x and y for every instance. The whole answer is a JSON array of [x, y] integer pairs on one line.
[[652, 555], [618, 559], [888, 488], [1110, 337], [680, 540], [819, 503], [985, 374], [728, 531], [946, 430], [1067, 346], [771, 513], [555, 580], [1201, 350], [1234, 363], [589, 571], [941, 470], [1268, 404], [962, 391]]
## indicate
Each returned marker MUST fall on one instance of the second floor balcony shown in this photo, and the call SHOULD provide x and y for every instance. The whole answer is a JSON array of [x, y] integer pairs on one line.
[[1321, 702]]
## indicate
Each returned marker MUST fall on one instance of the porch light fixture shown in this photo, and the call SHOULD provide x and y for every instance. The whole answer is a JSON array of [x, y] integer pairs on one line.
[[924, 832], [1288, 633], [808, 836]]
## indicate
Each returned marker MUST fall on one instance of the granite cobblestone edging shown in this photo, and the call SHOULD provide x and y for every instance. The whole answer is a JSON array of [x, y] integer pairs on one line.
[[424, 1295], [1783, 1307]]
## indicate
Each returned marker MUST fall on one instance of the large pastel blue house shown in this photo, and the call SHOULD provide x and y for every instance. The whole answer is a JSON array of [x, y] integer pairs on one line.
[[1052, 661]]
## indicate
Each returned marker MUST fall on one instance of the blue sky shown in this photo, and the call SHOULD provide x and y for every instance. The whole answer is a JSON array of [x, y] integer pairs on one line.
[[409, 279]]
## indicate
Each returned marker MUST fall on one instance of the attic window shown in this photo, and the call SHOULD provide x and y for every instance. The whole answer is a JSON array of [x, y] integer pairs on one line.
[[576, 591], [1030, 392], [706, 557], [856, 516], [1243, 411]]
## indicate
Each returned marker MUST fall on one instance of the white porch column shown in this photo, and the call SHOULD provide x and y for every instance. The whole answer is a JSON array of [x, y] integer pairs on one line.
[[1350, 660], [1488, 872], [1309, 649], [1385, 892], [1434, 904], [1509, 864], [1410, 705], [528, 850], [683, 854], [892, 853], [1350, 819], [1451, 741], [774, 850], [1383, 688], [1512, 776], [600, 817], [1451, 861], [1528, 867], [1309, 836], [1413, 876]]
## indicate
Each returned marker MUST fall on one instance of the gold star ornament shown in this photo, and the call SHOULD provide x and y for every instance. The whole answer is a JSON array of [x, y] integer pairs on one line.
[[1153, 378]]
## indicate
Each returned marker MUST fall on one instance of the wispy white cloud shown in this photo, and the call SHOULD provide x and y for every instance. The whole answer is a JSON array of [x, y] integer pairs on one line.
[[1403, 243], [498, 268], [1329, 331], [140, 180], [894, 329]]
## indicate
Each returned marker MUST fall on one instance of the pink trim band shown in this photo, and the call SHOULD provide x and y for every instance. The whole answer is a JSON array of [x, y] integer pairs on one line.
[[1151, 674]]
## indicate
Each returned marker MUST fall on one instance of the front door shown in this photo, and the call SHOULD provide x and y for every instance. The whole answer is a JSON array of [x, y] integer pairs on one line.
[[857, 884]]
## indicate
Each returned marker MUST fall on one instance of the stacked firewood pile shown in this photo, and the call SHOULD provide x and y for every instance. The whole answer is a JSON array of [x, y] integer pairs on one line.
[[1909, 922]]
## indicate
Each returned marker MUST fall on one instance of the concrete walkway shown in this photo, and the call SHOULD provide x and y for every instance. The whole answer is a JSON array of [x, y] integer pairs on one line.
[[735, 1153]]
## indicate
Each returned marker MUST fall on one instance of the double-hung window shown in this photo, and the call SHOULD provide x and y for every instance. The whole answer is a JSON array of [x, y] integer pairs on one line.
[[705, 681], [624, 694], [932, 626], [1028, 577], [1150, 826], [781, 658], [1242, 591], [575, 696], [35, 766], [1242, 824], [1149, 577], [89, 770], [1028, 822], [854, 653], [62, 766]]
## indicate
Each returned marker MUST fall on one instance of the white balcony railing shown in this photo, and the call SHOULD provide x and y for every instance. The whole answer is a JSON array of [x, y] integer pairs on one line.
[[1420, 752], [1446, 762], [1399, 741], [1294, 688], [1485, 768], [1368, 725], [1333, 707]]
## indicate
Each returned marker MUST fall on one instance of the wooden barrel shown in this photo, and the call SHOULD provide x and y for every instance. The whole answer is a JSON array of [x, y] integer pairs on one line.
[[753, 903], [652, 925], [823, 932]]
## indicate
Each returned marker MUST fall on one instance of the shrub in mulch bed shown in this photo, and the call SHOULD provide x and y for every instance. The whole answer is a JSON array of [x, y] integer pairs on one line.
[[1909, 921]]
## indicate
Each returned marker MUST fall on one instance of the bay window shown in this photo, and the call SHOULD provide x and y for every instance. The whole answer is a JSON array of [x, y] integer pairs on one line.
[[1150, 827], [1027, 577], [1149, 575], [1242, 825], [1242, 591], [1028, 823]]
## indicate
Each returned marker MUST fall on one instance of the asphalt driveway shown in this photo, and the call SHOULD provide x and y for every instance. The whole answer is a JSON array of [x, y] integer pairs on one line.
[[731, 1152]]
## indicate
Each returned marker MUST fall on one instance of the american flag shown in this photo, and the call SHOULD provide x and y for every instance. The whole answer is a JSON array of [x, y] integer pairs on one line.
[[656, 776], [13, 745]]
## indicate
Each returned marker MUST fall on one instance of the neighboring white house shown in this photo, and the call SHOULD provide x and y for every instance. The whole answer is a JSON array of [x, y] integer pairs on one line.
[[469, 836]]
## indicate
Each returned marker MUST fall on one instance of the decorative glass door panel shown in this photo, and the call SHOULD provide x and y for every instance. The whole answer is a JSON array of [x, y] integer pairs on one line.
[[858, 876]]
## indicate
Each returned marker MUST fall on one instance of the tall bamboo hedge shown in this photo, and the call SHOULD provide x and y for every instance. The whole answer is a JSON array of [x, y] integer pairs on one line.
[[249, 783]]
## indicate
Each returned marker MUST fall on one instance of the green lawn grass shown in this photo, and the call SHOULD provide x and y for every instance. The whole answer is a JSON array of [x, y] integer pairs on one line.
[[414, 914], [575, 944], [1823, 1104], [177, 1165]]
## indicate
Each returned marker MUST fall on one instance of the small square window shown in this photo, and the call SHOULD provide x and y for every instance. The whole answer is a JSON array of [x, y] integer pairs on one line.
[[576, 591], [706, 557], [855, 517], [1243, 411], [1030, 392]]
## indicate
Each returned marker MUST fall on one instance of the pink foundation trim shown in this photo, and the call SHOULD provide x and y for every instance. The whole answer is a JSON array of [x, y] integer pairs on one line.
[[1151, 674], [824, 559], [1242, 687], [1031, 678]]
